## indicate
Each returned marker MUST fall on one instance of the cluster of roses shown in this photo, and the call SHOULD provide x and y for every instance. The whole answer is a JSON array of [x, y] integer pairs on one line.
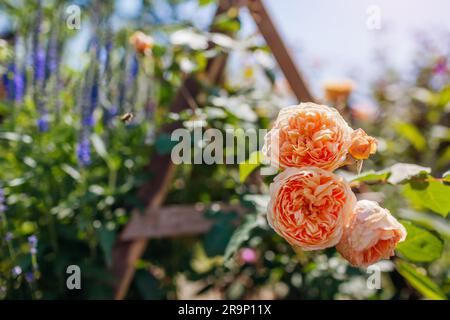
[[310, 206]]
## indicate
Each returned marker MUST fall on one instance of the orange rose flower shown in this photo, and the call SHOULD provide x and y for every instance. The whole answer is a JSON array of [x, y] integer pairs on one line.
[[338, 91], [141, 41], [308, 135], [309, 207], [371, 235], [362, 145]]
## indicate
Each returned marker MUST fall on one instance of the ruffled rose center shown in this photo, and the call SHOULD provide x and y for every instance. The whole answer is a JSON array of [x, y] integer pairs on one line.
[[310, 137], [308, 208]]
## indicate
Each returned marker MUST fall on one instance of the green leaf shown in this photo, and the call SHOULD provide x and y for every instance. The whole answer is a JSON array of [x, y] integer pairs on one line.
[[148, 286], [12, 136], [225, 24], [401, 172], [446, 176], [429, 221], [99, 146], [247, 167], [412, 134], [443, 98], [216, 240], [372, 176], [436, 196], [164, 144], [270, 74], [214, 113], [397, 173], [420, 245], [71, 171], [443, 159], [204, 2], [107, 239], [29, 162], [241, 235], [242, 111], [257, 202], [419, 281], [18, 181]]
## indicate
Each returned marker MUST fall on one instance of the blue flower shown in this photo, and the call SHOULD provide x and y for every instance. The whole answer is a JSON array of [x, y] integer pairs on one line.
[[109, 114], [52, 61], [94, 97], [8, 81], [29, 277], [88, 121], [83, 152], [19, 86], [134, 67], [33, 241], [105, 56], [43, 124], [19, 75], [39, 66], [2, 200], [8, 236], [16, 271], [38, 51]]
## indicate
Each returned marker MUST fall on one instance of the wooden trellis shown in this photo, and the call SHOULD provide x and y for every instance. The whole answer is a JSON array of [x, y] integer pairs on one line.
[[158, 221]]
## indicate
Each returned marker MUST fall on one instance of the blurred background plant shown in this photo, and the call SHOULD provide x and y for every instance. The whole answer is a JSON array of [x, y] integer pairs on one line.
[[70, 167]]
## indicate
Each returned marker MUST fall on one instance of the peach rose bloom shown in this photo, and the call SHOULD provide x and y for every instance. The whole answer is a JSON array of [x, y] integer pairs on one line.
[[309, 207], [371, 235], [308, 135], [362, 145], [141, 41], [338, 91]]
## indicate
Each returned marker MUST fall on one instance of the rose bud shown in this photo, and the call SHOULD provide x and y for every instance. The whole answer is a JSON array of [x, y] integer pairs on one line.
[[362, 145], [141, 41]]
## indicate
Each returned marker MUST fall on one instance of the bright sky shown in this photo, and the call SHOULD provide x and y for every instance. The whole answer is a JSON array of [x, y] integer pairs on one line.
[[329, 38]]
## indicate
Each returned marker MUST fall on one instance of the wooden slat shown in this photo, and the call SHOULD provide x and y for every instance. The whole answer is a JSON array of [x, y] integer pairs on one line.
[[179, 220], [279, 50]]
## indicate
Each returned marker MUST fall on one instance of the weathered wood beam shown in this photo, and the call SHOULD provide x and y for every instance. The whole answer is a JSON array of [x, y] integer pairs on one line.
[[279, 50], [179, 220]]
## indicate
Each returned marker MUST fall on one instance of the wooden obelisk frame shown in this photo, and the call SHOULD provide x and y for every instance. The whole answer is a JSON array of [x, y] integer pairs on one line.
[[133, 240]]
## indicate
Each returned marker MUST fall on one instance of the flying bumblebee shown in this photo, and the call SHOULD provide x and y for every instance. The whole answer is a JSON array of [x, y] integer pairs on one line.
[[127, 117]]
